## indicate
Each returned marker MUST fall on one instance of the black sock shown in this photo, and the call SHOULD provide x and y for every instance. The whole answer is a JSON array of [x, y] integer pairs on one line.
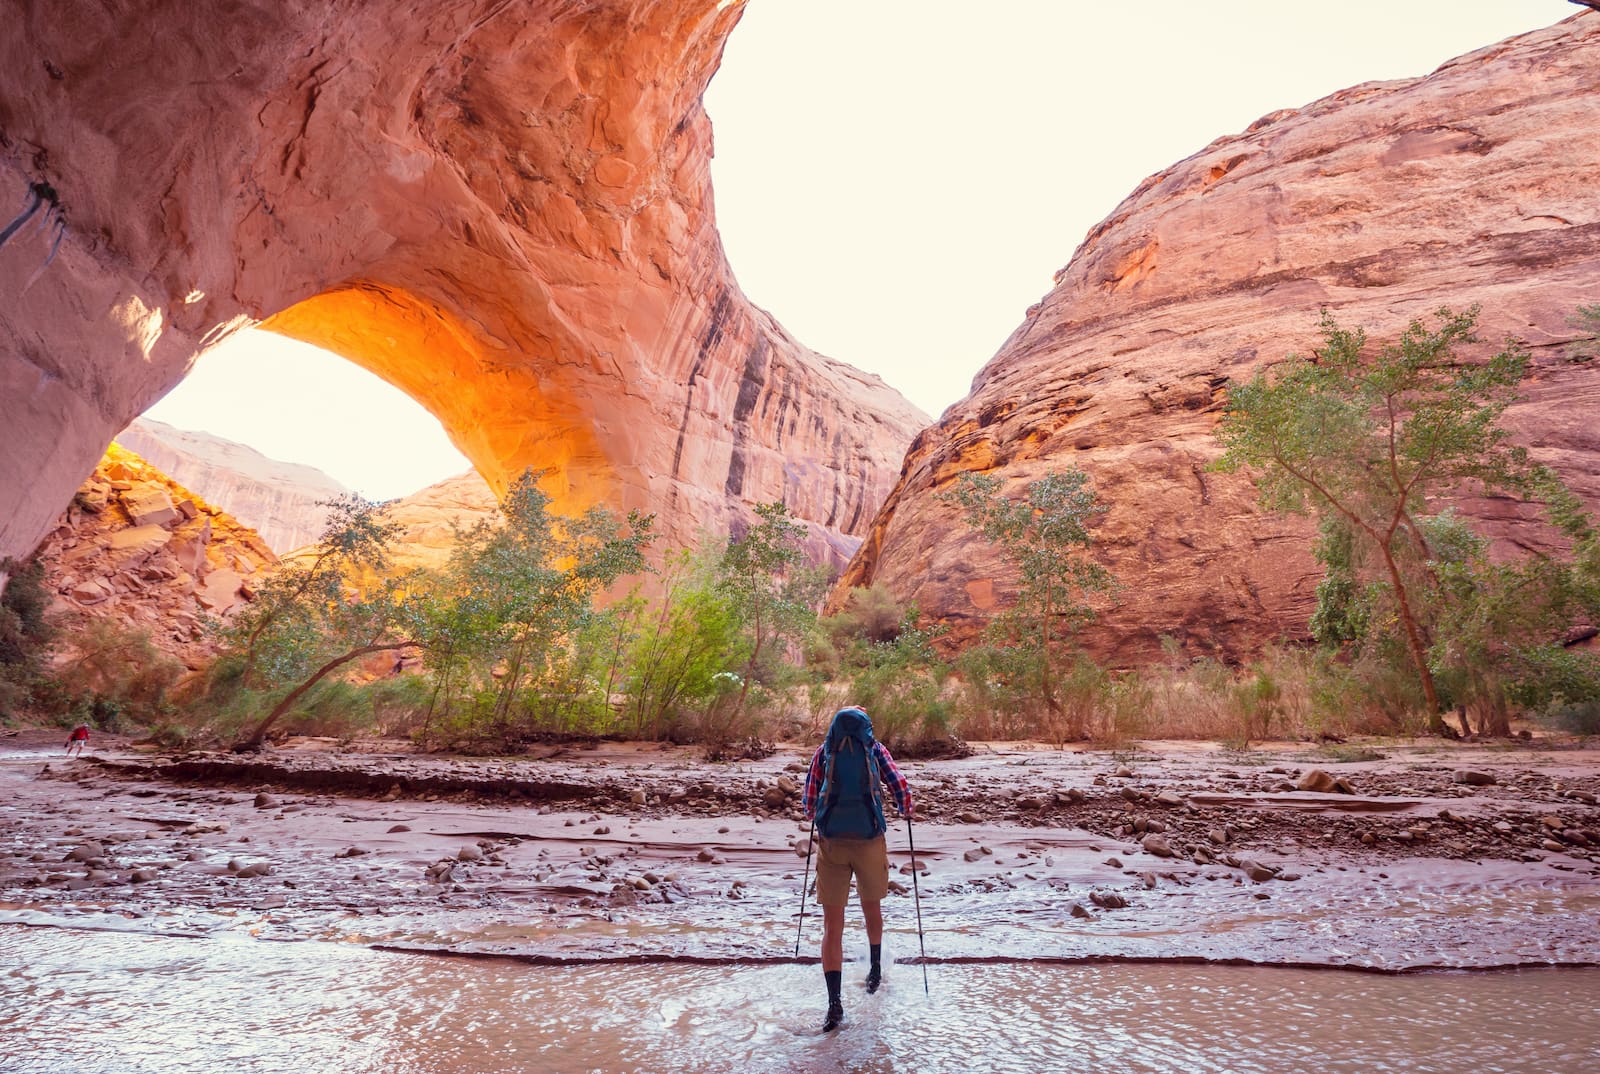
[[877, 955], [834, 978]]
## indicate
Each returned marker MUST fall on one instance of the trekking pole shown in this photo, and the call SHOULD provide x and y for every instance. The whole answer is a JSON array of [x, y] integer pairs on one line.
[[805, 882], [917, 895]]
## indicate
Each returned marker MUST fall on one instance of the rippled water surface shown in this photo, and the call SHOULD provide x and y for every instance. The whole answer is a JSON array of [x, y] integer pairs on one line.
[[84, 1001]]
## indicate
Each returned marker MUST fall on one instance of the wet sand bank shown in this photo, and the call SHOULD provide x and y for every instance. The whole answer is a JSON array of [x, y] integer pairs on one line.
[[1445, 855]]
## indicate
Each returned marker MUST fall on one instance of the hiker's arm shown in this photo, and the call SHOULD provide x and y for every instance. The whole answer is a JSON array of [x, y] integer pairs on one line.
[[890, 773], [808, 800]]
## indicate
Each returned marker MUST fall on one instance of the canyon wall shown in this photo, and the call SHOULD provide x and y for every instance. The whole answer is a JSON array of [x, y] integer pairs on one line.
[[503, 208], [279, 500], [1380, 203]]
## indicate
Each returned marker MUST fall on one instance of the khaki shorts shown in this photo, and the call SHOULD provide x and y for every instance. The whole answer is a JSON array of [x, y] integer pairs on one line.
[[837, 859]]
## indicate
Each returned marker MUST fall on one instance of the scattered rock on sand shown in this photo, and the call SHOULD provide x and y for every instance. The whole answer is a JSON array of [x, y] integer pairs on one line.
[[1157, 845], [1321, 782], [1473, 778], [89, 851]]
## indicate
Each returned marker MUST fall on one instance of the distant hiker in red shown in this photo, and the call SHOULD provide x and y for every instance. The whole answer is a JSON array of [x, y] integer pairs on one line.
[[842, 793], [77, 740]]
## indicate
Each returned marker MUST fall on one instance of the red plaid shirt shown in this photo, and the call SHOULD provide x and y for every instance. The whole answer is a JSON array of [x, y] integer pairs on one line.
[[887, 771]]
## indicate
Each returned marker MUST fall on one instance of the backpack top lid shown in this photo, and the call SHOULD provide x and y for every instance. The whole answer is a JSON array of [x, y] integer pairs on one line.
[[851, 722]]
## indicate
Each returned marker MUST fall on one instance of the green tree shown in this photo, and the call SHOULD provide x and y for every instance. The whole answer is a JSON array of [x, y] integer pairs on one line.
[[1045, 538], [1370, 438], [1587, 319], [763, 574], [1494, 617], [685, 650], [519, 595], [279, 632]]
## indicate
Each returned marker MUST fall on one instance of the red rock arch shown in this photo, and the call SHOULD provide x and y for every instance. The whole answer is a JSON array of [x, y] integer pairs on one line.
[[503, 208]]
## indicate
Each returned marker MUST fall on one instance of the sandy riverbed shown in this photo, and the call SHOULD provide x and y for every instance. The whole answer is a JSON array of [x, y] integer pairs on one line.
[[1458, 855]]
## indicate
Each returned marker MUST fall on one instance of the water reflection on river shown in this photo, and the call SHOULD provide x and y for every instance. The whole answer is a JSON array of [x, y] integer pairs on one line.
[[85, 1002]]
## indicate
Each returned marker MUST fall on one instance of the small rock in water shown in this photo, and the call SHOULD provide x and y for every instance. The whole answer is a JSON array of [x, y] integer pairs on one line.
[[969, 818], [1124, 772], [1079, 910], [141, 876], [1256, 871], [87, 852], [1108, 900], [1169, 798], [1473, 778], [266, 801], [396, 829], [1115, 863], [706, 855], [468, 853], [259, 868]]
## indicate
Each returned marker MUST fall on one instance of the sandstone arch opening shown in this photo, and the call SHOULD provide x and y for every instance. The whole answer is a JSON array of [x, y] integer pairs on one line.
[[500, 418]]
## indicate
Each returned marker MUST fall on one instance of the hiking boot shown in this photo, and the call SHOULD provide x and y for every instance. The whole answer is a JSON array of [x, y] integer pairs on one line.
[[835, 1017], [874, 979]]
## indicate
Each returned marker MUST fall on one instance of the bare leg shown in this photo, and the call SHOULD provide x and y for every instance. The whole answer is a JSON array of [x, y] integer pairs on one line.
[[833, 937], [872, 914]]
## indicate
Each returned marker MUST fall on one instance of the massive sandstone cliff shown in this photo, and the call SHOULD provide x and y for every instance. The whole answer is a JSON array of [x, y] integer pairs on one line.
[[279, 500], [503, 207], [1476, 184]]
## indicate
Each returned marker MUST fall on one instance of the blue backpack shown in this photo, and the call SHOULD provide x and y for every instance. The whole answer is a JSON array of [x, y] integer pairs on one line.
[[850, 804]]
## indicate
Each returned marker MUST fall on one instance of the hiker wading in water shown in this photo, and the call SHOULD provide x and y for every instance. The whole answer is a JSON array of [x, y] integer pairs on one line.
[[842, 795]]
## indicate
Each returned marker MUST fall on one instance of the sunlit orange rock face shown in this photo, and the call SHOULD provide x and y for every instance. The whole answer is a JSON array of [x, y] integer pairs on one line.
[[1381, 203], [502, 208]]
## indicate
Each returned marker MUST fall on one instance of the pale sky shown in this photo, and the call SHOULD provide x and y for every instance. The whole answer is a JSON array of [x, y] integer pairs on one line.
[[896, 181]]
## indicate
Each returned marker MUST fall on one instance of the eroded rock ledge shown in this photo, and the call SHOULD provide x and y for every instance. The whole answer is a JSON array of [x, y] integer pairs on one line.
[[502, 208]]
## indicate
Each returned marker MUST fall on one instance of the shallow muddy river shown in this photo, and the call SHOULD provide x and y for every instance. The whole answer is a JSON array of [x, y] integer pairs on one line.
[[76, 1001]]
